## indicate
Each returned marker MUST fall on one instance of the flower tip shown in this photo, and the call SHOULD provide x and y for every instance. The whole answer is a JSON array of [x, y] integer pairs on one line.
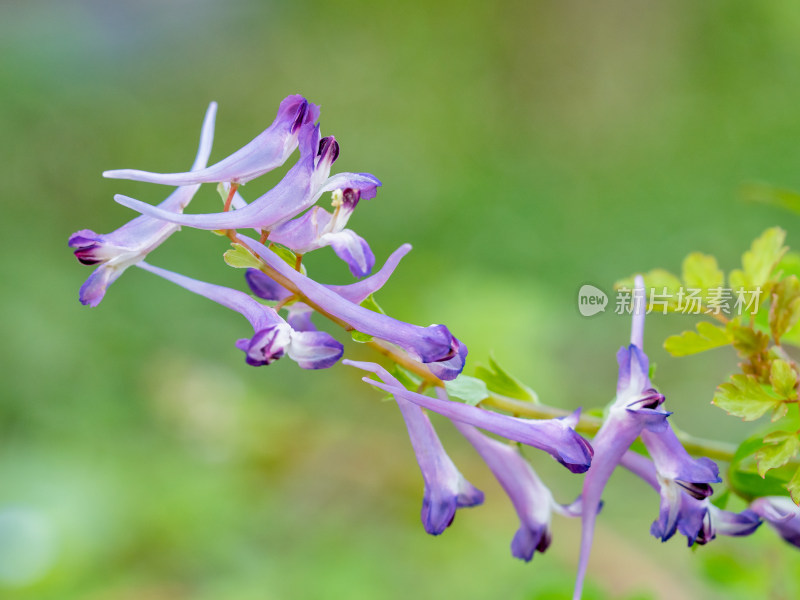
[[437, 516], [527, 542]]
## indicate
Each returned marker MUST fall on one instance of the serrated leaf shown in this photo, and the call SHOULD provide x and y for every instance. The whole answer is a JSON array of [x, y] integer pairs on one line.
[[502, 382], [239, 257], [469, 389], [784, 310], [747, 341], [774, 196], [371, 304], [764, 254], [744, 397], [781, 448], [794, 487], [742, 475], [700, 271], [707, 337], [783, 379], [361, 338]]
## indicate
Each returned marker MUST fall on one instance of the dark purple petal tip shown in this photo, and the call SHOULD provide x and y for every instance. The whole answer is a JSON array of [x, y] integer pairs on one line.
[[698, 491], [328, 150], [301, 115]]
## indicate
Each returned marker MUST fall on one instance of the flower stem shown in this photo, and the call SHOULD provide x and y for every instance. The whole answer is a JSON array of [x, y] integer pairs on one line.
[[587, 424]]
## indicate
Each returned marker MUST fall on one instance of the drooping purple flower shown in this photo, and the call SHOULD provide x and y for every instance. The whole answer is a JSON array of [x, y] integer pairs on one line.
[[299, 313], [270, 149], [782, 514], [318, 228], [635, 409], [116, 251], [697, 519], [446, 489], [555, 436], [300, 188], [273, 337], [429, 344], [531, 498], [677, 473]]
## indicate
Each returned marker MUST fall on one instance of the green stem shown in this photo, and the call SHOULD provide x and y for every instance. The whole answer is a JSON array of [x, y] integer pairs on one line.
[[586, 424]]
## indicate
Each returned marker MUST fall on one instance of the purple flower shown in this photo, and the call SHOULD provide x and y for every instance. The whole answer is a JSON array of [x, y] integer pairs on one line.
[[697, 519], [555, 436], [677, 473], [318, 228], [299, 313], [445, 488], [273, 337], [302, 186], [531, 498], [635, 409], [268, 150], [116, 251], [429, 344], [782, 514]]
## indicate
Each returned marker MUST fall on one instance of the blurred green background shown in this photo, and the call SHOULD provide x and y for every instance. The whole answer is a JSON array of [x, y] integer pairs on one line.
[[526, 148]]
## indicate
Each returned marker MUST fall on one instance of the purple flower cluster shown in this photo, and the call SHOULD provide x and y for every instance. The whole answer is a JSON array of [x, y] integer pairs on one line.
[[284, 215]]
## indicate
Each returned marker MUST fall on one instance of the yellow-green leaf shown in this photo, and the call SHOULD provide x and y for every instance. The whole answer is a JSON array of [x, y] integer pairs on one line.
[[784, 310], [743, 396], [783, 379], [239, 257], [747, 341], [794, 487], [764, 254], [701, 272], [708, 336], [781, 448]]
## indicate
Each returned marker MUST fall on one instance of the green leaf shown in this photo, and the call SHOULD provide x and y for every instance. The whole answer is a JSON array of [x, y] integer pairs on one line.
[[784, 310], [760, 260], [744, 397], [794, 487], [781, 448], [783, 379], [239, 257], [361, 338], [502, 382], [408, 379], [700, 271], [469, 389], [708, 336], [747, 341], [744, 479], [371, 304], [774, 196]]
